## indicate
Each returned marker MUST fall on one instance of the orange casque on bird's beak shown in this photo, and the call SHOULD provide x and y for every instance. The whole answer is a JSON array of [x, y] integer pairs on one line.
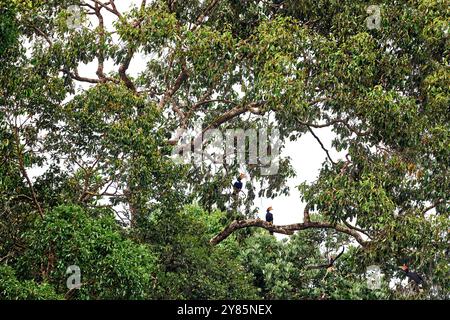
[[404, 267], [269, 209], [242, 176]]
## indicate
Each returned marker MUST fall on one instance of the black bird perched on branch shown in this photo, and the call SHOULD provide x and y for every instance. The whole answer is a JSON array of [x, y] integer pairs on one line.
[[269, 217], [237, 186], [413, 276]]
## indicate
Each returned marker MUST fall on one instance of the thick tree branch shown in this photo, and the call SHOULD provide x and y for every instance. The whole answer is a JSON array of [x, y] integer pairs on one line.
[[123, 70], [225, 117], [77, 77], [111, 9], [184, 74], [286, 229], [201, 18], [45, 36], [345, 122], [357, 229], [101, 44], [306, 217], [236, 111], [114, 9]]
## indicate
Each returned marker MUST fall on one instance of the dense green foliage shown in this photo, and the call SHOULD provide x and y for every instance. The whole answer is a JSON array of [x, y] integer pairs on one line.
[[113, 267], [193, 269], [8, 27], [88, 115], [13, 289]]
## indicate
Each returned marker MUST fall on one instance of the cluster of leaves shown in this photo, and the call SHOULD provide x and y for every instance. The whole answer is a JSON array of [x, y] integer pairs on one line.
[[13, 289], [76, 160], [193, 269], [296, 269], [170, 260], [112, 267], [8, 27]]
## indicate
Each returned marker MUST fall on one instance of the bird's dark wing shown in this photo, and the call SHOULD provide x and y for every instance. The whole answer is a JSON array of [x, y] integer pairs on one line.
[[415, 277]]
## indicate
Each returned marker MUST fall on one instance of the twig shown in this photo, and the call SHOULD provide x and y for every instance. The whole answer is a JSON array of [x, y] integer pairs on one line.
[[321, 144]]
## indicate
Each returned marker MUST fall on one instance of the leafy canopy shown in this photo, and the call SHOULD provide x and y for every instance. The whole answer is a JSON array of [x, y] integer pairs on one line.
[[89, 108]]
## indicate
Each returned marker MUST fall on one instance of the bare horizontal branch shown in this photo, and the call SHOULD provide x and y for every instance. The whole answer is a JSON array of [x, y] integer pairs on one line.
[[284, 229]]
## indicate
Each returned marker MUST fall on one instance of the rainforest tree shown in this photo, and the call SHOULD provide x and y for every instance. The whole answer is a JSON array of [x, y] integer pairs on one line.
[[93, 94]]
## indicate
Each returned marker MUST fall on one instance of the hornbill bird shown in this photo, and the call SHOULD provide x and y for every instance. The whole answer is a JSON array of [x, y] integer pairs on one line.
[[269, 217], [413, 276], [237, 186]]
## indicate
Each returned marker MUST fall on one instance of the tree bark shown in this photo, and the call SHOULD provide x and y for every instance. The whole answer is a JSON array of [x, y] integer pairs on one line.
[[285, 229]]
